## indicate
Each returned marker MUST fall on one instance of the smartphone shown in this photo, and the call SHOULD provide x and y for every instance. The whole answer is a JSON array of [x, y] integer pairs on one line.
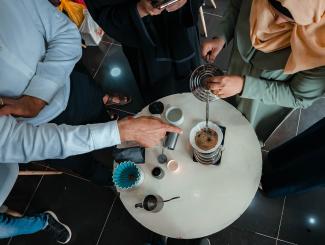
[[161, 4]]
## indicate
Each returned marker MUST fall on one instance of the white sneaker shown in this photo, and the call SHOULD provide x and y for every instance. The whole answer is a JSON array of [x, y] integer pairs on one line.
[[59, 231]]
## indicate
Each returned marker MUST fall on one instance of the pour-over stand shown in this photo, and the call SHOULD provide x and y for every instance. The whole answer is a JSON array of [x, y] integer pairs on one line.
[[199, 89]]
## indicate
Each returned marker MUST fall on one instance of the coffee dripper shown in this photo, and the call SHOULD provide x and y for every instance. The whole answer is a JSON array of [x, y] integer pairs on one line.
[[199, 90]]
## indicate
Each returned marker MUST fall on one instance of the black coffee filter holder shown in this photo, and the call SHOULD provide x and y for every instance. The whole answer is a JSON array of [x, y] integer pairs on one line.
[[223, 129]]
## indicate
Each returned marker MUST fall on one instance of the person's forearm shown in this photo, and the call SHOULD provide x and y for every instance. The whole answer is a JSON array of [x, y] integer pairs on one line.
[[282, 93], [21, 142]]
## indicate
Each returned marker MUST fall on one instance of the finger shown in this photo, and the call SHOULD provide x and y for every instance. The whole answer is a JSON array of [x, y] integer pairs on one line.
[[6, 110], [216, 79], [8, 101], [214, 86], [152, 10], [173, 129], [156, 11], [214, 53], [148, 6], [210, 59], [175, 6], [217, 92], [205, 49]]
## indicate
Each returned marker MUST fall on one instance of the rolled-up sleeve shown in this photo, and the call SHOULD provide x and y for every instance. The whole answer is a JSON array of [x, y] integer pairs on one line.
[[63, 50], [299, 92], [22, 142]]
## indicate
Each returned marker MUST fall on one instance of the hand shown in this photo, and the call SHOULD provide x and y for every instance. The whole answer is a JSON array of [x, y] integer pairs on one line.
[[176, 6], [211, 48], [25, 106], [145, 8], [146, 131], [225, 86]]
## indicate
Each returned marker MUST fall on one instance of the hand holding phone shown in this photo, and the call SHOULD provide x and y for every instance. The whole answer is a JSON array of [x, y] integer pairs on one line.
[[162, 4], [155, 7], [145, 8], [175, 5]]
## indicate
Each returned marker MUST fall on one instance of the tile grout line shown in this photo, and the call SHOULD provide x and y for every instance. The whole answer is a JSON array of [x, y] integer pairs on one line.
[[106, 220], [33, 195], [280, 124], [261, 234], [102, 61], [291, 243], [277, 239], [298, 124], [279, 228], [29, 202], [66, 173]]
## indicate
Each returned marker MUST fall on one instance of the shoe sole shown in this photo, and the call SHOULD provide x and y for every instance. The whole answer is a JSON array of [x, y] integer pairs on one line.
[[65, 226]]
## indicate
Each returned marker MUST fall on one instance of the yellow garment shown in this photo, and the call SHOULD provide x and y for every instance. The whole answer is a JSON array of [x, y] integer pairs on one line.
[[74, 11], [306, 35]]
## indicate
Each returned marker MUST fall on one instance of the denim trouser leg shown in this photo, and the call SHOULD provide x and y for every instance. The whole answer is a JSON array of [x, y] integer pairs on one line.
[[12, 226]]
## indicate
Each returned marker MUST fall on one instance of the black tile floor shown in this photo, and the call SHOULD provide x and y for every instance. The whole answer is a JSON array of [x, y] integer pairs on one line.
[[96, 215]]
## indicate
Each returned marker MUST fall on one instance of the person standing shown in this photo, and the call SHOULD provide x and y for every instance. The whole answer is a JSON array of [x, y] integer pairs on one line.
[[41, 84], [162, 46], [278, 58]]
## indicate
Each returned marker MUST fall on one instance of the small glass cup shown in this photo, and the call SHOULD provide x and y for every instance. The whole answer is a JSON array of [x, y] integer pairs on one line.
[[172, 165]]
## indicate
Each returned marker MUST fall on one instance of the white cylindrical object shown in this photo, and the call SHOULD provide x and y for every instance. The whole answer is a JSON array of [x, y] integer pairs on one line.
[[174, 115], [172, 165]]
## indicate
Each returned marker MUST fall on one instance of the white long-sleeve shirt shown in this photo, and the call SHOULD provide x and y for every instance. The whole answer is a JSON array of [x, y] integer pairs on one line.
[[39, 47]]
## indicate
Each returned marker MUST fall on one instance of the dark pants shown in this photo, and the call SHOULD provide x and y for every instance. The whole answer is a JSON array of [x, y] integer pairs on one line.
[[85, 106], [297, 165]]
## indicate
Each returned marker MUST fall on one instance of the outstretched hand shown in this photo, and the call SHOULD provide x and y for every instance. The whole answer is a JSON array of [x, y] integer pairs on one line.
[[146, 131], [211, 48]]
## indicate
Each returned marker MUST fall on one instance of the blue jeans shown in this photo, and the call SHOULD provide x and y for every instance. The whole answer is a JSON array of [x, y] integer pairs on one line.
[[12, 226]]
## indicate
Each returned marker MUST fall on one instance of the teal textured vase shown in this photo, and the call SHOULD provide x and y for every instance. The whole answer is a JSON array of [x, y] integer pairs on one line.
[[127, 175]]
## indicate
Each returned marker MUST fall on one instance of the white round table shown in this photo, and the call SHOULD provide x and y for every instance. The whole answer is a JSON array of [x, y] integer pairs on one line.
[[211, 197]]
